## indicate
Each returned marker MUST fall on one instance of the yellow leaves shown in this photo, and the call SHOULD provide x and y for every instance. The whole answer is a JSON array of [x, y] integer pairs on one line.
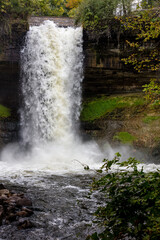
[[133, 44], [145, 47], [4, 6], [146, 25], [58, 11], [73, 3]]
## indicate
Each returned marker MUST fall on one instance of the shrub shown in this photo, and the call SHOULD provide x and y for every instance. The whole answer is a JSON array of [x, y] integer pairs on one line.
[[94, 14], [152, 92], [131, 206]]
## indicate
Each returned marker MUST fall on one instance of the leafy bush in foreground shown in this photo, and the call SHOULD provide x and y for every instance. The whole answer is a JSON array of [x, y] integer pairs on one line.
[[131, 209]]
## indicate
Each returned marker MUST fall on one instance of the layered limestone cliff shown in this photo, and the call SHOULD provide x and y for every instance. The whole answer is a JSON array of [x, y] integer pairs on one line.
[[105, 73]]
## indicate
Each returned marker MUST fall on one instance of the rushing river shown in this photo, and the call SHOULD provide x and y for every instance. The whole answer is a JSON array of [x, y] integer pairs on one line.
[[61, 209], [48, 163]]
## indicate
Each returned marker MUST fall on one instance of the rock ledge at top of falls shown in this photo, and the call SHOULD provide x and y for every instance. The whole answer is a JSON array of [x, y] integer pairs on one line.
[[60, 21]]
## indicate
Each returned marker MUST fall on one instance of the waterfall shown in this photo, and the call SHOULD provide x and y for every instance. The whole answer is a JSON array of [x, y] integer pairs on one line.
[[52, 60], [51, 75]]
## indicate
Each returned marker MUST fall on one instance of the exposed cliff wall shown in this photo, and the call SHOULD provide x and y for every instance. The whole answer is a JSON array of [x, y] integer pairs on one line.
[[105, 73], [12, 34]]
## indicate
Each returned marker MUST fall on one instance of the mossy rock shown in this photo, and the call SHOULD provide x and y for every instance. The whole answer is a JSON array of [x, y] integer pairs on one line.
[[124, 137], [110, 106], [4, 112], [150, 119]]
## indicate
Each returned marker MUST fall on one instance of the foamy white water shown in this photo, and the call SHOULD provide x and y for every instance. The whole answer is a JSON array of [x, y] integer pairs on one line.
[[52, 72]]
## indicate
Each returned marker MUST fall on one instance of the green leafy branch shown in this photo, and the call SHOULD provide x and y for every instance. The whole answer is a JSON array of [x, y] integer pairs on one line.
[[131, 205]]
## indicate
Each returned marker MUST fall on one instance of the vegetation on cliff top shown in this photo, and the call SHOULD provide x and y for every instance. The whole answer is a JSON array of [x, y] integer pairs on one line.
[[127, 118], [97, 15], [23, 8], [90, 13]]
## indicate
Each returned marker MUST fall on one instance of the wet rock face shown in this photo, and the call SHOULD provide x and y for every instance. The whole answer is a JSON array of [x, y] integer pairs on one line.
[[104, 72], [10, 98], [9, 131], [15, 208], [9, 84], [10, 46]]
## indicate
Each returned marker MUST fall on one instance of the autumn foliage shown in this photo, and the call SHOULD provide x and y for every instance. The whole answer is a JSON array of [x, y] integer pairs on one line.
[[73, 3], [145, 49]]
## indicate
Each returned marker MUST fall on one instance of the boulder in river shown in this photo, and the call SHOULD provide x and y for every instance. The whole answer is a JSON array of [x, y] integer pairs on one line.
[[15, 207]]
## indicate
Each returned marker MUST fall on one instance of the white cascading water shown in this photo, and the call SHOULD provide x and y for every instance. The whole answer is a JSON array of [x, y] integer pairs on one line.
[[52, 62]]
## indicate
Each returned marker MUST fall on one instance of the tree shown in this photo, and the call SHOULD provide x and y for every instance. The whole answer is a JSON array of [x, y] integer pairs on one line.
[[150, 3], [73, 3], [96, 15], [58, 7], [146, 28], [145, 49], [5, 6], [72, 6], [23, 8]]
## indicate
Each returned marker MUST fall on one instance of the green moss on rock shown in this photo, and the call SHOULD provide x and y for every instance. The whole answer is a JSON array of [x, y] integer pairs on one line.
[[98, 108], [4, 112], [124, 137], [150, 119]]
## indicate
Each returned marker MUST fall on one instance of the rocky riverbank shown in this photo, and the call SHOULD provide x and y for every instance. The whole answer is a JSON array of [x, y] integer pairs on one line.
[[15, 207]]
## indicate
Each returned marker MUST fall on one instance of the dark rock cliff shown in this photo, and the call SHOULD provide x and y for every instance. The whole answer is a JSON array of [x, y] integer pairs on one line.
[[12, 36], [104, 71]]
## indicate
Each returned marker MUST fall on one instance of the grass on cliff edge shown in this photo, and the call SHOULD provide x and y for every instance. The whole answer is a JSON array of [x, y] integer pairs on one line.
[[4, 111], [99, 107]]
